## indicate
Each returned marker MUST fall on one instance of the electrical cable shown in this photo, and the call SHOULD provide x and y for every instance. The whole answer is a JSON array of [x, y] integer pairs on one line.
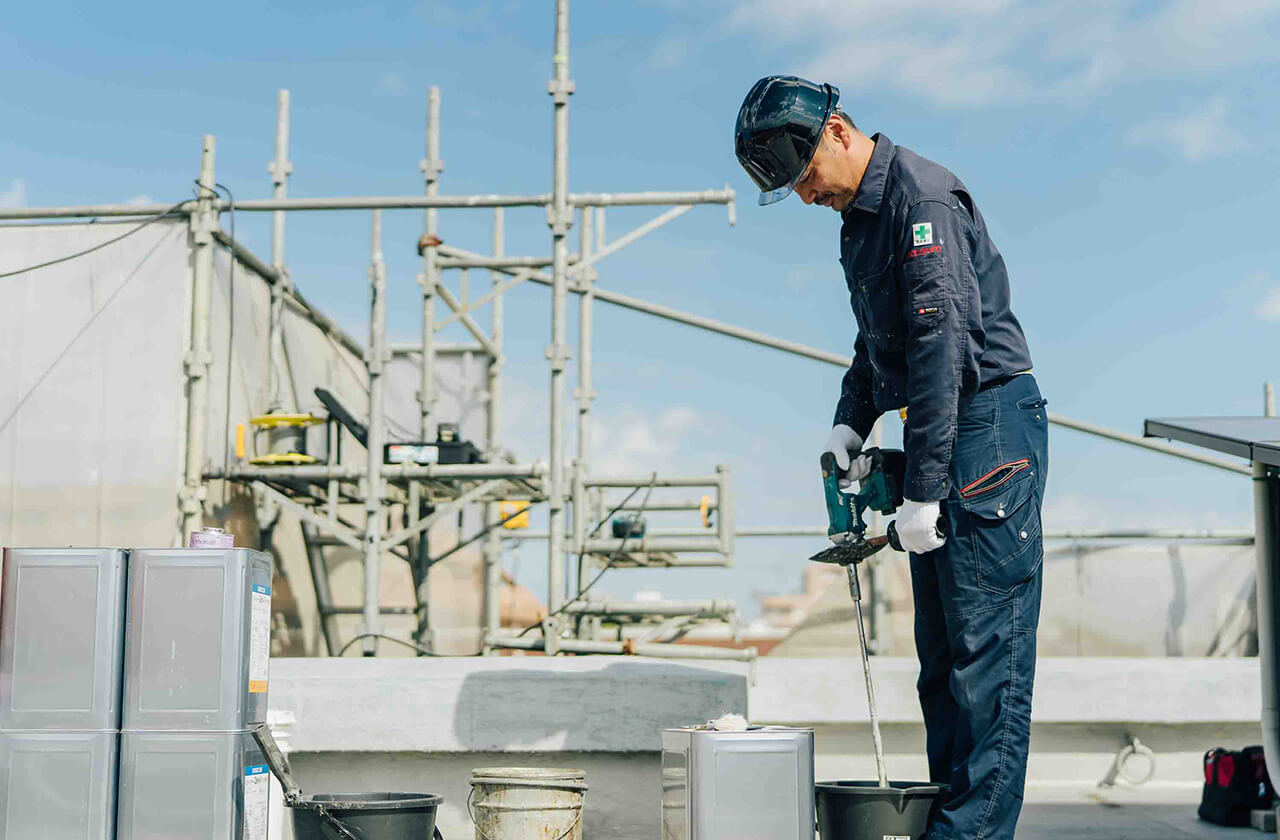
[[614, 554], [97, 247], [231, 332], [419, 648]]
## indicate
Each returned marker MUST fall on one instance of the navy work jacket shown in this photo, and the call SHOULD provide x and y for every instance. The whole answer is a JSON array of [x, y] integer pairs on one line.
[[931, 296]]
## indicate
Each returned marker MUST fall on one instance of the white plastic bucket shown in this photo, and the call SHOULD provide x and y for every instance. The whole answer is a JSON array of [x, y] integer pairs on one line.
[[527, 803]]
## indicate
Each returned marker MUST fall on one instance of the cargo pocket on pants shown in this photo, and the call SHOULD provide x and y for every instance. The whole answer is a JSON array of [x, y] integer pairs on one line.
[[1003, 527]]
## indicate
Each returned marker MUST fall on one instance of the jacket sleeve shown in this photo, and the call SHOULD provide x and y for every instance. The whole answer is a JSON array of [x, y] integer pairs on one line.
[[940, 291], [856, 407]]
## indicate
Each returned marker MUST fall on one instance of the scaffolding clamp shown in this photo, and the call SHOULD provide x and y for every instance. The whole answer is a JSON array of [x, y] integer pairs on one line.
[[560, 91]]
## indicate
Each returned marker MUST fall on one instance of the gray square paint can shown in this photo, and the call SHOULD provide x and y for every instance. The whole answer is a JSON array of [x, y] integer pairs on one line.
[[192, 786], [755, 784], [58, 785], [198, 639], [61, 638]]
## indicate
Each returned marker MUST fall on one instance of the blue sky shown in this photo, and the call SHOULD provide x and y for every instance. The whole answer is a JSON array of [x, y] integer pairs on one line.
[[1123, 154]]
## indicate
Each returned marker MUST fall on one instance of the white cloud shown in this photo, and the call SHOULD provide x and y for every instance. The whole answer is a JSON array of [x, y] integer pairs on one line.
[[1202, 134], [975, 52], [631, 443], [16, 195], [391, 84], [1268, 309], [141, 199]]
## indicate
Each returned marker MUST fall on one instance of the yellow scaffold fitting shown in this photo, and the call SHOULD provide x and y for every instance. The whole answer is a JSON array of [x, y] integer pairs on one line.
[[704, 508], [515, 523], [283, 458], [272, 421], [240, 441]]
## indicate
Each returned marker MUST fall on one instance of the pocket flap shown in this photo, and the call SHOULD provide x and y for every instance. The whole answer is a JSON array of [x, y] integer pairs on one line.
[[1003, 501]]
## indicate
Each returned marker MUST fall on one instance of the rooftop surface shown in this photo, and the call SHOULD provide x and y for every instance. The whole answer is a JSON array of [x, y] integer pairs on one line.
[[1111, 821]]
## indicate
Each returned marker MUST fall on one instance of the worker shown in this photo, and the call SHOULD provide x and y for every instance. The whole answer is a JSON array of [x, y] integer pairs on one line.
[[936, 337]]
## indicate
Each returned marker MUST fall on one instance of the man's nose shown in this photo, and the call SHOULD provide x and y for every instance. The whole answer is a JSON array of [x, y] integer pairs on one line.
[[806, 194]]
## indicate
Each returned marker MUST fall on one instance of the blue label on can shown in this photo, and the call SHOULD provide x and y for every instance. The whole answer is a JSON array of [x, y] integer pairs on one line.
[[255, 769], [261, 590]]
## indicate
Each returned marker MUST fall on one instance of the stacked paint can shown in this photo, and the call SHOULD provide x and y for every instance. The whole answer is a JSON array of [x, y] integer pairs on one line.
[[196, 651], [129, 681], [62, 616]]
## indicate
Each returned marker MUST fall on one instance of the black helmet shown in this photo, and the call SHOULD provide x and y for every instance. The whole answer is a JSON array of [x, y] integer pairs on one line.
[[779, 126]]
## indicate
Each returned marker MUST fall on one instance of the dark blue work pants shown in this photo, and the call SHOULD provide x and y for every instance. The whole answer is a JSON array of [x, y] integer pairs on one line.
[[977, 603]]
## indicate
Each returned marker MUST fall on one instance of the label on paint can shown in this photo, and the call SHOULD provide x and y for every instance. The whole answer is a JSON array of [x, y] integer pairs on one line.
[[257, 789], [259, 638], [211, 538]]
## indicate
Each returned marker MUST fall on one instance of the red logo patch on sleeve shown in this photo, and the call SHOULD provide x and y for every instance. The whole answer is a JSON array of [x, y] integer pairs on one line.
[[920, 252]]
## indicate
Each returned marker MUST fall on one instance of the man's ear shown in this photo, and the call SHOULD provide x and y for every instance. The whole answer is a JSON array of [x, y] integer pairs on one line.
[[839, 131]]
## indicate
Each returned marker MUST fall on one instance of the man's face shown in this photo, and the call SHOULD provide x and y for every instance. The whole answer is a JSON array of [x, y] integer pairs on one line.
[[830, 180]]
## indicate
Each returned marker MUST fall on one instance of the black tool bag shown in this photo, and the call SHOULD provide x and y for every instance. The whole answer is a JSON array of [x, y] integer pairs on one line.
[[1235, 783]]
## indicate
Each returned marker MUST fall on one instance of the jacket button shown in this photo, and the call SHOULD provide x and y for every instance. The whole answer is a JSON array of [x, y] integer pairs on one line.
[[1000, 512], [1023, 535]]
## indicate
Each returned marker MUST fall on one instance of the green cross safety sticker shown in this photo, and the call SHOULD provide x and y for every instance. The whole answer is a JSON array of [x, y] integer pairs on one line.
[[922, 234]]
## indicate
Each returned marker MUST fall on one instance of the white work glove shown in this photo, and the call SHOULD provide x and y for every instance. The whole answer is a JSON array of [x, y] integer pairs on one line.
[[918, 526], [845, 444]]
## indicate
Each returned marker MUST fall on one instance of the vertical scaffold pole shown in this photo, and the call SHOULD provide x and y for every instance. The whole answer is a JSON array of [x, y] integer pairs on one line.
[[560, 219], [373, 493], [584, 394], [280, 169], [199, 355], [493, 540], [431, 169]]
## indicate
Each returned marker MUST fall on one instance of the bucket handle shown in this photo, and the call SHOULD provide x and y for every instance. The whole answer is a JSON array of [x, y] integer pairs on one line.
[[348, 833], [484, 834]]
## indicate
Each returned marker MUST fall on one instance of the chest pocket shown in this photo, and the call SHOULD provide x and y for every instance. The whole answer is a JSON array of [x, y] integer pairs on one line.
[[877, 303]]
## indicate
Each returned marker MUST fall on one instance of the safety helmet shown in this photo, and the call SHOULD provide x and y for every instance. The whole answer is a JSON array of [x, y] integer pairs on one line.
[[778, 129]]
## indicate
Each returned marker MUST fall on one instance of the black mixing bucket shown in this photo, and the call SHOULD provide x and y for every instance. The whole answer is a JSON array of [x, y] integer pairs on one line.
[[866, 811], [368, 816]]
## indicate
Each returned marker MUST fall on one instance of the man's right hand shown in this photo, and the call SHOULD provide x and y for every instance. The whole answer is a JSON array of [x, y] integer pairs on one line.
[[845, 444]]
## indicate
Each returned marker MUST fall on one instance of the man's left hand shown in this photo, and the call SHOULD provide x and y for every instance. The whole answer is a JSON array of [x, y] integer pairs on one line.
[[918, 526]]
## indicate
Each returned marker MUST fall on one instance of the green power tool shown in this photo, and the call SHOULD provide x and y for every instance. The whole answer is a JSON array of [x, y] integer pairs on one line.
[[880, 491]]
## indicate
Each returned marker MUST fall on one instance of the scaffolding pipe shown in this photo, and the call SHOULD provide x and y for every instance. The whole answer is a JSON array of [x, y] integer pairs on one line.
[[441, 348], [430, 278], [1154, 446], [584, 393], [390, 472], [665, 609], [623, 241], [389, 202], [647, 481], [560, 219], [656, 650], [492, 549], [199, 355], [373, 496], [377, 202], [279, 169], [494, 262], [723, 196]]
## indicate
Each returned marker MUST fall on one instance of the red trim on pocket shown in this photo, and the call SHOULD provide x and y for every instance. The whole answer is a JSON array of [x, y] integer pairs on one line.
[[974, 488]]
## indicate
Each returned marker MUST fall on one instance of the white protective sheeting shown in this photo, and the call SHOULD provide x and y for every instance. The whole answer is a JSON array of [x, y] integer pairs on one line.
[[92, 410]]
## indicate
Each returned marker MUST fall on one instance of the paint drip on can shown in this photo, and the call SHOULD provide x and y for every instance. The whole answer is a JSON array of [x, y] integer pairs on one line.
[[211, 538]]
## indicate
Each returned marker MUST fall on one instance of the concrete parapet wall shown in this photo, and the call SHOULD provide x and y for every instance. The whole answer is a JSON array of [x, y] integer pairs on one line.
[[1068, 690], [1083, 711], [520, 704]]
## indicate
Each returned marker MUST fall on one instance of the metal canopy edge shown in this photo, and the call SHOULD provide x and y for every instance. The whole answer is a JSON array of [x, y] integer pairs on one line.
[[1252, 438]]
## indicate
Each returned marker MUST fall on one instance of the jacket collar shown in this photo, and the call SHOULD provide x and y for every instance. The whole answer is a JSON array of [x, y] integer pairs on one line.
[[870, 192]]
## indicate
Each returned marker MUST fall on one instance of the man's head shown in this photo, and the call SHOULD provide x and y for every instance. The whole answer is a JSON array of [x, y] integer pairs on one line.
[[791, 136]]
